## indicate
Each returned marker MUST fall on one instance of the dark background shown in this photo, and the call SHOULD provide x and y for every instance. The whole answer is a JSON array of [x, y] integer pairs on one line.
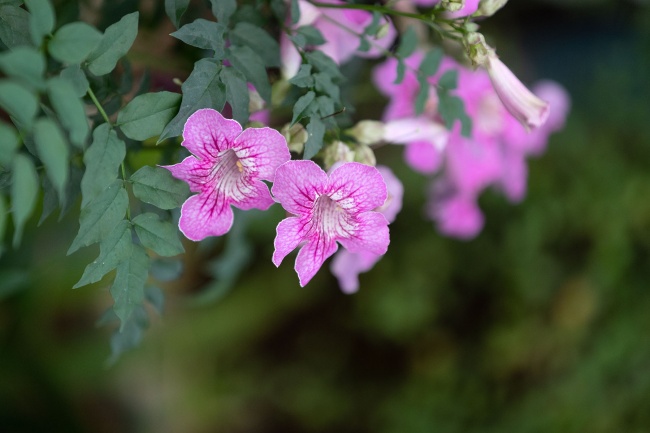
[[540, 324]]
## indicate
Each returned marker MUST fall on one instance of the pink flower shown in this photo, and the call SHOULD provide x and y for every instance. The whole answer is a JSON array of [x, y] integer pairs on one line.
[[524, 106], [327, 209], [340, 29], [226, 168], [346, 266]]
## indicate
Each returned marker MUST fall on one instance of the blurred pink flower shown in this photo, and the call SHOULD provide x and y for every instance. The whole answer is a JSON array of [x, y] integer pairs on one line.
[[327, 209], [226, 168], [340, 29], [346, 266]]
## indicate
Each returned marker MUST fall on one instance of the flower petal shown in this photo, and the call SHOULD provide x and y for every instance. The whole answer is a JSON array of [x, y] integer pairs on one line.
[[393, 203], [207, 132], [289, 233], [258, 198], [423, 156], [347, 266], [204, 215], [297, 184], [262, 151], [357, 187], [191, 170], [312, 256], [371, 234]]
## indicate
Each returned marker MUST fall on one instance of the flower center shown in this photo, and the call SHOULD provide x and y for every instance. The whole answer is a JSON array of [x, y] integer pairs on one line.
[[228, 176], [330, 219]]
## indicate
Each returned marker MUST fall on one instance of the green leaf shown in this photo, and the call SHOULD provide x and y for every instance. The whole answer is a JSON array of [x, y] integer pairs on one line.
[[100, 216], [9, 143], [431, 62], [70, 109], [202, 89], [252, 66], [324, 84], [303, 78], [164, 269], [325, 105], [14, 26], [324, 63], [223, 9], [73, 42], [25, 64], [279, 9], [259, 41], [175, 10], [19, 102], [452, 108], [203, 34], [115, 43], [400, 71], [156, 186], [236, 93], [312, 35], [42, 19], [53, 152], [113, 250], [315, 134], [155, 297], [301, 105], [128, 288], [295, 12], [375, 25], [50, 200], [4, 213], [24, 191], [408, 44], [422, 95], [146, 115], [158, 235], [102, 160], [77, 78], [449, 80]]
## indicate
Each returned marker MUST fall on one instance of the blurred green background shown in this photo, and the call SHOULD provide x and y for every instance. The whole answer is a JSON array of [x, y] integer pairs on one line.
[[539, 325]]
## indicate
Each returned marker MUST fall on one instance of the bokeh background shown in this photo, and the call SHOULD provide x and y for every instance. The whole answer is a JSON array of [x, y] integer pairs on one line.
[[540, 324]]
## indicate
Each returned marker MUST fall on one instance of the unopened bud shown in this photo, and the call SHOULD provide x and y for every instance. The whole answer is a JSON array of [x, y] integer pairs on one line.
[[337, 152], [383, 30], [255, 101], [296, 137], [487, 8], [453, 5], [368, 132], [364, 154], [478, 51]]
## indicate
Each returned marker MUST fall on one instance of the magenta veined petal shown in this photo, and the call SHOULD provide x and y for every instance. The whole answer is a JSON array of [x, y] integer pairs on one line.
[[207, 132]]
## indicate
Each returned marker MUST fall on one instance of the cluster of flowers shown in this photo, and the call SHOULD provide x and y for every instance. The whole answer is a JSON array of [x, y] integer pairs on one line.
[[353, 203]]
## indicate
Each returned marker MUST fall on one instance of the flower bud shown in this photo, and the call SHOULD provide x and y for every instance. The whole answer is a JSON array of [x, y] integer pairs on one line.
[[453, 5], [383, 30], [296, 137], [364, 154], [255, 101], [368, 132], [487, 8], [477, 49], [337, 152], [524, 106]]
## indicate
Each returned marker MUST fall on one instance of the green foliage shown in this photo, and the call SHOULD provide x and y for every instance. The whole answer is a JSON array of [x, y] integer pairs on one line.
[[158, 187], [24, 192], [301, 105], [175, 10], [128, 287], [101, 215], [452, 108], [42, 19], [72, 43], [203, 34], [258, 40], [9, 143], [19, 102], [249, 63], [236, 93], [14, 26], [202, 89], [4, 218], [315, 133], [70, 109], [223, 9], [24, 64], [114, 44], [77, 78], [102, 159], [53, 151], [158, 235], [147, 115]]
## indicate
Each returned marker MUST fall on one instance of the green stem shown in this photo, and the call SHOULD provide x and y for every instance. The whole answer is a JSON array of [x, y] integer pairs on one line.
[[99, 106], [372, 8]]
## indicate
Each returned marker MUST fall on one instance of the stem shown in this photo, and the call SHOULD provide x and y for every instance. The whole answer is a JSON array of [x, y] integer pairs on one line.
[[372, 8], [99, 106]]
